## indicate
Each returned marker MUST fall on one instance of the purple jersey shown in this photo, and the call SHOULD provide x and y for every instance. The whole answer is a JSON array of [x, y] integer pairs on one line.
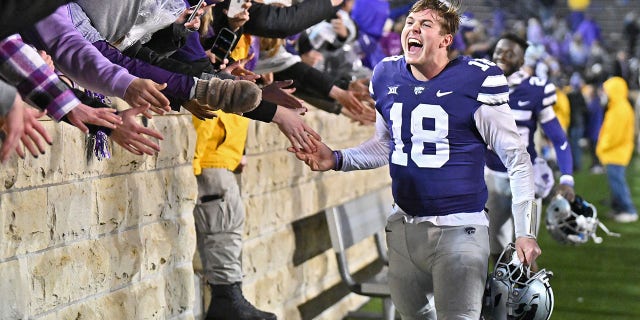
[[437, 154], [527, 101]]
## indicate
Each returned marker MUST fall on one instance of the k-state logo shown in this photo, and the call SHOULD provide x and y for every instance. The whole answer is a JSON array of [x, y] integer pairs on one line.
[[393, 90], [418, 90]]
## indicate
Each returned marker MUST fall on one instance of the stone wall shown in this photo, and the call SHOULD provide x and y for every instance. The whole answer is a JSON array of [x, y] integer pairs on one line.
[[114, 239], [289, 265]]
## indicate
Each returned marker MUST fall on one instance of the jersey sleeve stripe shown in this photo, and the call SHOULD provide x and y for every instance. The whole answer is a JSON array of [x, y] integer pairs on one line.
[[549, 88], [547, 114], [521, 115], [495, 81], [549, 101], [493, 99]]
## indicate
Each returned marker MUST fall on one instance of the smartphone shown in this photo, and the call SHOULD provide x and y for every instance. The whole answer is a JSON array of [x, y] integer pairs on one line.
[[223, 43], [195, 9], [235, 7]]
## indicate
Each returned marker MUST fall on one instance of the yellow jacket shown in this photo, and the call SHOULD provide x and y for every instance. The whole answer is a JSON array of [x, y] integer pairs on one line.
[[241, 50], [220, 141], [615, 143], [562, 109]]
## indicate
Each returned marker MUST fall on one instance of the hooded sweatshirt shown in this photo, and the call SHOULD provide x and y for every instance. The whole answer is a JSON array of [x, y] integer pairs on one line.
[[615, 143], [112, 18]]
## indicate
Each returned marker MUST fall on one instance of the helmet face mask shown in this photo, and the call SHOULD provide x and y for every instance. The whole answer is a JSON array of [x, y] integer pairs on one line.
[[573, 223], [515, 292]]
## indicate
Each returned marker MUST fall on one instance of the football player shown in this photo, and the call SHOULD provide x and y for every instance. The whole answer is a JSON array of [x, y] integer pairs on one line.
[[435, 119], [531, 100]]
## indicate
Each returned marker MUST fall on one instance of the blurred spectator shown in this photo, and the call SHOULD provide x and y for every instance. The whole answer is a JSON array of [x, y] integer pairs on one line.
[[370, 17], [577, 12], [596, 100], [615, 148], [589, 30], [622, 67], [578, 121], [390, 41], [545, 9], [631, 30], [578, 53]]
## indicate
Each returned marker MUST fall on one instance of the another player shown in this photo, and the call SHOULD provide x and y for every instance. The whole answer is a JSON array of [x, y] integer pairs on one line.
[[435, 119], [531, 100]]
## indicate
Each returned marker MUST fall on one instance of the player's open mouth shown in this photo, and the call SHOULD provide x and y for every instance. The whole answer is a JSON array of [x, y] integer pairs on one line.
[[414, 45]]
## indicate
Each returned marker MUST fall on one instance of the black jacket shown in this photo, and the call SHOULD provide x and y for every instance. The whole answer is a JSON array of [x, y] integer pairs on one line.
[[275, 22], [15, 15]]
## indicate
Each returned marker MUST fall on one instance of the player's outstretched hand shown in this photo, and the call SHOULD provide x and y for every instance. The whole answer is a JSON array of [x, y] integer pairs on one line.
[[319, 160], [528, 250], [290, 123], [131, 134], [567, 192]]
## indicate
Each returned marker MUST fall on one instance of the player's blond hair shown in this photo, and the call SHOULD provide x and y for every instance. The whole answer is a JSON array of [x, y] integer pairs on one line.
[[448, 10]]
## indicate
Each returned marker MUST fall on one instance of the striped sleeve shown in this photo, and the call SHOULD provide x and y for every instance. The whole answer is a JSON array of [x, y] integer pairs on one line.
[[22, 67], [494, 90], [550, 96]]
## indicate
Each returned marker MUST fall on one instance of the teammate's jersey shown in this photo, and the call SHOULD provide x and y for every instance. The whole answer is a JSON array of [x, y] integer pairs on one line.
[[527, 101], [437, 154]]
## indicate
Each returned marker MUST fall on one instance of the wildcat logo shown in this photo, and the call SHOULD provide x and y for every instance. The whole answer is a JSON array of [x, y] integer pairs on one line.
[[418, 90], [393, 90]]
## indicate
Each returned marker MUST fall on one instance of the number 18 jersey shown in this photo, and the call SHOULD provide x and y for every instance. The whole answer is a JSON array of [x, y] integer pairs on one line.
[[437, 153]]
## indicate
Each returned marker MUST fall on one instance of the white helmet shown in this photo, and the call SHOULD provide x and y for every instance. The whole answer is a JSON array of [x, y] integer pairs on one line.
[[514, 292], [573, 223]]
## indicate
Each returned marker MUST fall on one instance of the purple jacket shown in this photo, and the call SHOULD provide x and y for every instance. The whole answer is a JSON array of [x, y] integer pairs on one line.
[[76, 57]]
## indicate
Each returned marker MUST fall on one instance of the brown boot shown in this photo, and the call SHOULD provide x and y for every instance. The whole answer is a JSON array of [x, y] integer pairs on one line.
[[231, 96]]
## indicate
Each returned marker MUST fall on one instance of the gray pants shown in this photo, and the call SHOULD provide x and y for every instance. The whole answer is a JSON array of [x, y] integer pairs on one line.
[[436, 272], [219, 217]]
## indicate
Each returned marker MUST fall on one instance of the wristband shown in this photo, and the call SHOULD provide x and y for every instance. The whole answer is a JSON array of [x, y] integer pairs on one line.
[[567, 179], [337, 157]]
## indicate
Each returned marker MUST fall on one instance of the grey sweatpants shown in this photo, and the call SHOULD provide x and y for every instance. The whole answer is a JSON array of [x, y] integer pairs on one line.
[[436, 272], [219, 218]]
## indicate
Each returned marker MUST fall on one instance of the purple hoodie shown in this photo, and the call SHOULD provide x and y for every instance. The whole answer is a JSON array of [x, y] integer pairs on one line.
[[76, 57]]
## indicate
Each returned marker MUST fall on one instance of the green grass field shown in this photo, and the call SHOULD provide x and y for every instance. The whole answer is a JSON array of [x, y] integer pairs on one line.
[[597, 281], [593, 281]]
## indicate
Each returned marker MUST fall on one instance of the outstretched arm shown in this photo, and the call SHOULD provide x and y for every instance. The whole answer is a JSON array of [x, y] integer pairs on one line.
[[553, 130], [23, 67], [276, 22], [77, 58]]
